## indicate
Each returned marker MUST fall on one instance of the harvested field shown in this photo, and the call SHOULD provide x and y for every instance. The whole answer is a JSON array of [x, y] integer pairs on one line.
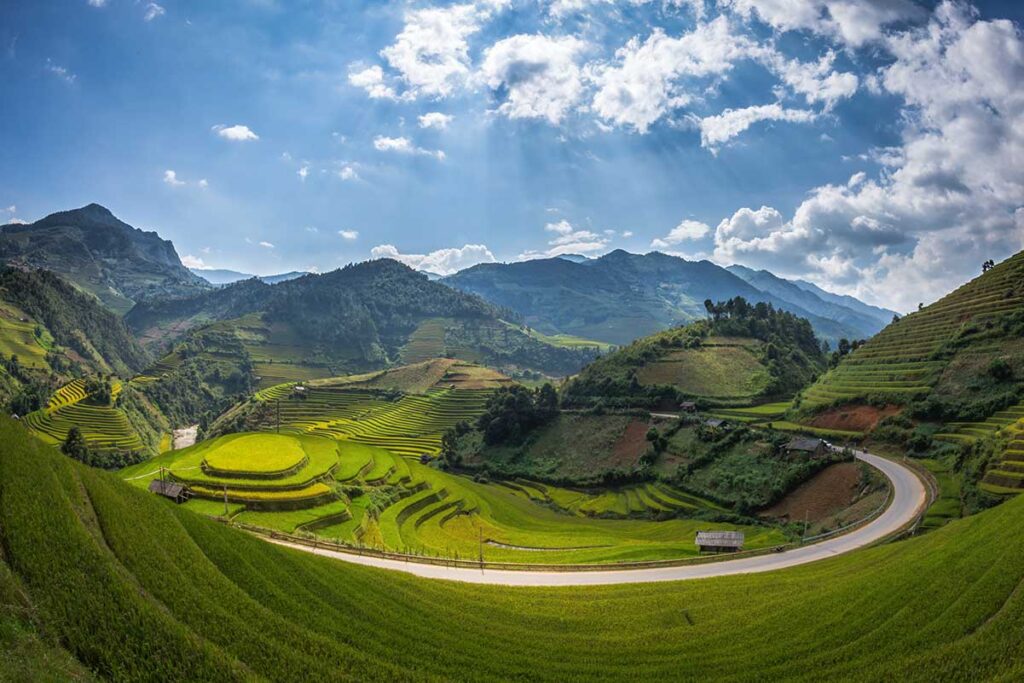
[[825, 494], [632, 444], [854, 418]]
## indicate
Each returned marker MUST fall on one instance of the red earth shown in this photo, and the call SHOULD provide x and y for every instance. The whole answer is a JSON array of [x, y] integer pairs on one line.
[[854, 418]]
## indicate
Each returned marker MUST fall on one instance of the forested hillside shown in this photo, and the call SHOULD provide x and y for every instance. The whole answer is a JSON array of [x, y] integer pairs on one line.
[[363, 316], [741, 353]]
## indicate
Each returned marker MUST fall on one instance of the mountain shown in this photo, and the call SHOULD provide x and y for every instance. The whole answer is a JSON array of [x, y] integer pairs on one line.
[[846, 310], [361, 317], [575, 258], [883, 315], [222, 276], [620, 296], [100, 254]]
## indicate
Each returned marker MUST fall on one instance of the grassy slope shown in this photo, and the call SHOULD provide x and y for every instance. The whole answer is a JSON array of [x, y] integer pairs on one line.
[[182, 597]]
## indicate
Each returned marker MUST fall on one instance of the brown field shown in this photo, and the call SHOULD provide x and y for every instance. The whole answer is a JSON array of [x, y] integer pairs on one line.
[[853, 418]]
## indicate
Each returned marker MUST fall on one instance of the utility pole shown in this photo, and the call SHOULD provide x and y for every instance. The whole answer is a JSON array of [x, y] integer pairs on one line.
[[278, 416], [480, 531], [806, 515], [225, 500]]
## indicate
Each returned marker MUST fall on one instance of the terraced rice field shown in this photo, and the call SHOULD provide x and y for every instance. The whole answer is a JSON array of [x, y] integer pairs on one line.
[[412, 425], [720, 370], [104, 427], [754, 414], [18, 338], [1008, 475], [426, 342], [902, 361]]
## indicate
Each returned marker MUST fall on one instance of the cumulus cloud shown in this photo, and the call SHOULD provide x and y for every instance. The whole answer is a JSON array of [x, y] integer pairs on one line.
[[436, 120], [567, 239], [816, 81], [687, 230], [371, 79], [720, 128], [171, 178], [266, 245], [537, 76], [303, 172], [347, 172], [851, 22], [650, 78], [948, 198], [441, 261], [431, 54], [97, 3], [349, 234], [403, 145], [235, 133], [190, 261], [153, 11]]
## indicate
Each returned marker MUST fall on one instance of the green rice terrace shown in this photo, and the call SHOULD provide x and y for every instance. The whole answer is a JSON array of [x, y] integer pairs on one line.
[[103, 426], [87, 590], [912, 357]]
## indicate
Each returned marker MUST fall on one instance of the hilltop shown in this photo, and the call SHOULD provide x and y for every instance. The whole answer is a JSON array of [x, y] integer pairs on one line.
[[100, 254], [742, 353], [620, 296], [222, 276]]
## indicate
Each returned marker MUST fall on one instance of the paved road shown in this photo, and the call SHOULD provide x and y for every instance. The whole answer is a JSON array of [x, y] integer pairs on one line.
[[909, 498]]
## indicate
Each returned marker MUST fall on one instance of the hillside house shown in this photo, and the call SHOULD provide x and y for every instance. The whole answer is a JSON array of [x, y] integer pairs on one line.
[[179, 493], [814, 448], [719, 541], [688, 407]]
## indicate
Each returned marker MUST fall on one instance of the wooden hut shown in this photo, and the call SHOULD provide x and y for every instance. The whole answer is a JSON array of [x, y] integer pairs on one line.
[[719, 541], [814, 448], [179, 493], [688, 407]]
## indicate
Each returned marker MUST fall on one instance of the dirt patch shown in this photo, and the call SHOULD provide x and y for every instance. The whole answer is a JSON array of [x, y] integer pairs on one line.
[[825, 494], [631, 445], [854, 418]]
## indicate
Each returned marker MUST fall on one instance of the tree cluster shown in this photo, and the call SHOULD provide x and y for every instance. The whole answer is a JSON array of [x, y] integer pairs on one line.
[[514, 411]]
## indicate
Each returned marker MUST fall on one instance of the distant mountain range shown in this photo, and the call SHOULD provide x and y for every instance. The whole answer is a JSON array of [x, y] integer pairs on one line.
[[100, 254], [218, 277], [622, 296]]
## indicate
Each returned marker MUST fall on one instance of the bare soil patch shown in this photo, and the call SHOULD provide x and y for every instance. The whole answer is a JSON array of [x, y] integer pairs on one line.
[[854, 418], [631, 445], [825, 494]]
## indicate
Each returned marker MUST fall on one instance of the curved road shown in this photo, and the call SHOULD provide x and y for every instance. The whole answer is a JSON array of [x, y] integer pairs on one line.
[[908, 500]]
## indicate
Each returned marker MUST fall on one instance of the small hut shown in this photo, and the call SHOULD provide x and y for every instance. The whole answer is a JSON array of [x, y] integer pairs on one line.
[[814, 448], [179, 493], [719, 541], [688, 407]]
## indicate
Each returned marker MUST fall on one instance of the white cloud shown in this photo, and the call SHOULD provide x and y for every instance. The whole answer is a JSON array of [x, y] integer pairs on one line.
[[567, 240], [303, 172], [236, 133], [348, 173], [816, 81], [649, 79], [442, 261], [190, 261], [435, 119], [851, 22], [203, 184], [403, 145], [371, 79], [61, 72], [153, 11], [715, 130], [171, 178], [431, 54], [627, 234], [349, 234], [266, 245], [97, 3], [537, 75], [687, 230]]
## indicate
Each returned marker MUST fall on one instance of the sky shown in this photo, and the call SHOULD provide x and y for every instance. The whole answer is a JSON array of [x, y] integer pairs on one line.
[[874, 147]]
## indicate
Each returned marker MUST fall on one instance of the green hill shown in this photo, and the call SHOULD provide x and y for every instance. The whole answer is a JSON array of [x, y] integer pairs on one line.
[[98, 576], [100, 254], [742, 354]]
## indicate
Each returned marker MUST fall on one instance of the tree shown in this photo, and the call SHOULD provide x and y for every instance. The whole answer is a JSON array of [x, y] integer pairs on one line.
[[895, 318], [988, 265], [75, 446]]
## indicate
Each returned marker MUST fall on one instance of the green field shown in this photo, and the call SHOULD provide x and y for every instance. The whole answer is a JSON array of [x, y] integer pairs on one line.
[[715, 371], [18, 338], [179, 597], [104, 427], [256, 453]]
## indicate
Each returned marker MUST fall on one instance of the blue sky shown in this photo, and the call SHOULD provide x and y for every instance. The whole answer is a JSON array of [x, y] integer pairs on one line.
[[873, 147]]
